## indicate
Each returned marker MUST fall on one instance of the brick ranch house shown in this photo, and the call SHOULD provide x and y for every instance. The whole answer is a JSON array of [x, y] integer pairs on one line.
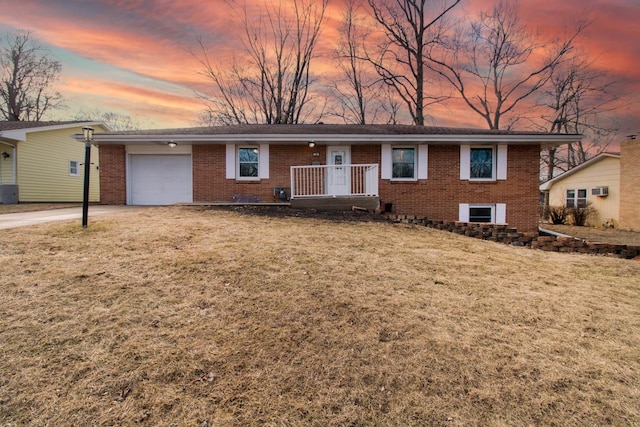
[[467, 175]]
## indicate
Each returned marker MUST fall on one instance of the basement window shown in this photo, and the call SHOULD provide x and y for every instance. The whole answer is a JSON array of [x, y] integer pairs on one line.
[[483, 213]]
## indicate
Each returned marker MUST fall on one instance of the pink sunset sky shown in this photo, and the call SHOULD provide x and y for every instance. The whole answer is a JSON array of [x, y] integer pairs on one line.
[[132, 56]]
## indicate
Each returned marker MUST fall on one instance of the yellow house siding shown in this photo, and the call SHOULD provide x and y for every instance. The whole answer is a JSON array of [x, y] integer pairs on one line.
[[43, 167], [604, 173], [6, 165], [630, 184]]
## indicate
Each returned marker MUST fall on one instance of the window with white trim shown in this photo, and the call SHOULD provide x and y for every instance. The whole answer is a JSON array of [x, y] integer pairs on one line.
[[483, 163], [483, 213], [74, 168], [247, 163], [403, 160], [576, 198]]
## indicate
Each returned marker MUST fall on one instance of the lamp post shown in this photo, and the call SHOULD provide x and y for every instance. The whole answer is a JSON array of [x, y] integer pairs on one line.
[[88, 137]]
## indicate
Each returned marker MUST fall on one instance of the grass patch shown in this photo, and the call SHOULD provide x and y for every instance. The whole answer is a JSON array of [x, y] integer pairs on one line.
[[174, 316]]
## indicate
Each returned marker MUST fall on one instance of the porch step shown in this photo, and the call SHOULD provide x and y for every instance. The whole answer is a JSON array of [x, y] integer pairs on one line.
[[336, 203]]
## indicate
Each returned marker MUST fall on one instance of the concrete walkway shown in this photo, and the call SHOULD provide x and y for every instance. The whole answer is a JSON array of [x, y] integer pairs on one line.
[[24, 219]]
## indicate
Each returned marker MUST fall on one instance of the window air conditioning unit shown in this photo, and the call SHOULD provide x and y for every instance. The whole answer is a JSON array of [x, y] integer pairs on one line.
[[600, 191]]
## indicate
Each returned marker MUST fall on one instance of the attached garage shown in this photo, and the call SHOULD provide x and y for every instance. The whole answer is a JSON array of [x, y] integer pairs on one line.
[[159, 179]]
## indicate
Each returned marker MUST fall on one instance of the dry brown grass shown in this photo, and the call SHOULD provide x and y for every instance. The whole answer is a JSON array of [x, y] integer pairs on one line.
[[33, 207], [601, 235], [174, 316]]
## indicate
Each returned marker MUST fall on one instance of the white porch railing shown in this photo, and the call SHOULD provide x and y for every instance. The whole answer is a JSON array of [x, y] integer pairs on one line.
[[334, 180]]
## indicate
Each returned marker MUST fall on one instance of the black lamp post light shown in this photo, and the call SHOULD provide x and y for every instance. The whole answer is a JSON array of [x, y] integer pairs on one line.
[[88, 137]]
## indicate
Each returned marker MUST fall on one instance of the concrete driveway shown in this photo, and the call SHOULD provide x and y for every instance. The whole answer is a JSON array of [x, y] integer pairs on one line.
[[24, 219]]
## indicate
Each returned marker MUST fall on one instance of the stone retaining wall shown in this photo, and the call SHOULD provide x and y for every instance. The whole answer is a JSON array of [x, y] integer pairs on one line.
[[511, 236]]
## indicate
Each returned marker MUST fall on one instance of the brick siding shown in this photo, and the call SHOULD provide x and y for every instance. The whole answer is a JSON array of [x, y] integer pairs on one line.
[[113, 182], [437, 197], [630, 185]]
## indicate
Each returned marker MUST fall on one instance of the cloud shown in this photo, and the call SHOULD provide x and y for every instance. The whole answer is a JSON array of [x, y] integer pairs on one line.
[[134, 54]]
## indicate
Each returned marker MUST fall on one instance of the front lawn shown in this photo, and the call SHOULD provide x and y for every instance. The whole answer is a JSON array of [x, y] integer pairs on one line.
[[186, 317]]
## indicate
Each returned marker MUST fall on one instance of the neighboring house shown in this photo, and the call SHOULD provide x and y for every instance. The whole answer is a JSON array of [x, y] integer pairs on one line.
[[595, 182], [42, 162], [448, 174], [610, 183]]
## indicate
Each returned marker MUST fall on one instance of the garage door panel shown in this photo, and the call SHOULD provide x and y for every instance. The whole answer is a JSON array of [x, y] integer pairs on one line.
[[160, 179]]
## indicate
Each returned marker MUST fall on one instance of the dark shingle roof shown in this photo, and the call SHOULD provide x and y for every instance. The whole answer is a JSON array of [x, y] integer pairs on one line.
[[324, 129]]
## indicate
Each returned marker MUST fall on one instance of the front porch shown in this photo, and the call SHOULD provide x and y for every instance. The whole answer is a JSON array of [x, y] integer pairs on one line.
[[335, 187]]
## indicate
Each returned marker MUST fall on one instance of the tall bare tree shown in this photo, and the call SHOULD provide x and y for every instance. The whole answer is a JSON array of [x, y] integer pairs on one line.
[[578, 99], [356, 94], [274, 85], [494, 64], [410, 27], [27, 75]]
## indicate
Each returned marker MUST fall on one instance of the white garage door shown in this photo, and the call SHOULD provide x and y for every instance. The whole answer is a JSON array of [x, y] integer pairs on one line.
[[160, 179]]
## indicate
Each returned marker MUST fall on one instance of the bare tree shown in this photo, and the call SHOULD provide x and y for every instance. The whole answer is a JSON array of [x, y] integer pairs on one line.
[[115, 121], [27, 74], [494, 65], [355, 94], [410, 28], [274, 86], [577, 100]]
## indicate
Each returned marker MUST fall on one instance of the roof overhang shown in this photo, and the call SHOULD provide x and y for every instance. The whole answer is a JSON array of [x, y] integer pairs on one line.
[[547, 185], [18, 135], [545, 140]]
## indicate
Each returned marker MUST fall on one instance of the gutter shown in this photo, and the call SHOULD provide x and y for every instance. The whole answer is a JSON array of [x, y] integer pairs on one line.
[[373, 139], [546, 232]]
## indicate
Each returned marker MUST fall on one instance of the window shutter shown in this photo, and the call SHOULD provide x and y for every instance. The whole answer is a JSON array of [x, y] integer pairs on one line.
[[463, 212], [502, 162], [501, 213], [423, 161], [231, 161], [465, 163], [263, 166], [386, 161]]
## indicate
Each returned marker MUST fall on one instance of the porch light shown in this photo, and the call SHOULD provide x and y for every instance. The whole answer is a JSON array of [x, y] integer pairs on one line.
[[172, 144], [5, 155], [312, 144], [88, 137]]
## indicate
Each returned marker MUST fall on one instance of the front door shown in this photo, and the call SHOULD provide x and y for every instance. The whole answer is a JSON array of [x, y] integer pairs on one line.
[[338, 176]]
